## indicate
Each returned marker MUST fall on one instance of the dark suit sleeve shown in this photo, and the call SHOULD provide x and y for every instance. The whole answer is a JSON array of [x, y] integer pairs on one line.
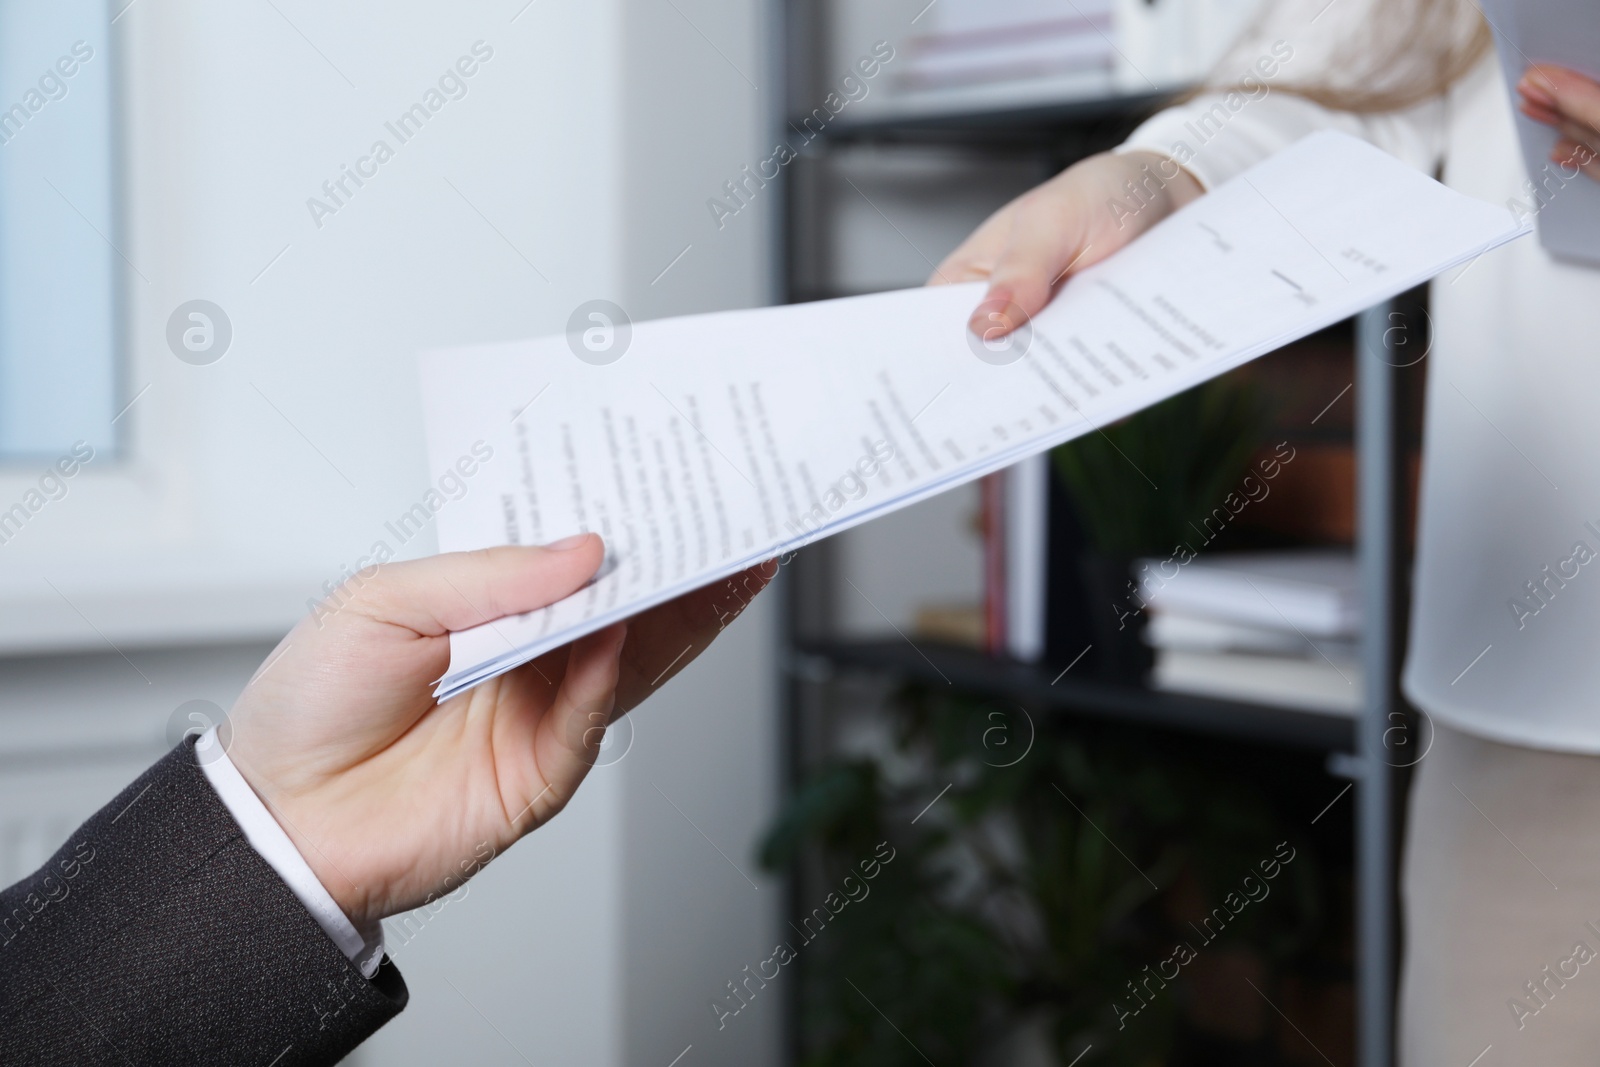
[[158, 935]]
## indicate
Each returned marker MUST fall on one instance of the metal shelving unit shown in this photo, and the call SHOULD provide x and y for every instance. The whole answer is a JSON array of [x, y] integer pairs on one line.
[[1059, 134], [1045, 690]]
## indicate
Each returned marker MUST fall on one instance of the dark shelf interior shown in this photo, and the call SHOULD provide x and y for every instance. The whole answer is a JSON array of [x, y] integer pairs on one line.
[[1029, 124], [1044, 689]]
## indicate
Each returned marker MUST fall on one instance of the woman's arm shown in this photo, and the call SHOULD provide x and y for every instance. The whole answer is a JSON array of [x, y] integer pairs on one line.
[[1028, 248]]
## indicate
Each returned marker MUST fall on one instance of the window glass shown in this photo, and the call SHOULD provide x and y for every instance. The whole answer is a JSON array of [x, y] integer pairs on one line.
[[59, 239]]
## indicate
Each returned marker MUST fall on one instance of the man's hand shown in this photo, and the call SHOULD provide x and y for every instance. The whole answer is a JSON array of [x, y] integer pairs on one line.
[[1570, 102], [1079, 217], [394, 799]]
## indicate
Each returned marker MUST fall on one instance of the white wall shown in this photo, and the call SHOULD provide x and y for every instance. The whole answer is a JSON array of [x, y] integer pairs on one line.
[[576, 167], [272, 468], [698, 908], [699, 784]]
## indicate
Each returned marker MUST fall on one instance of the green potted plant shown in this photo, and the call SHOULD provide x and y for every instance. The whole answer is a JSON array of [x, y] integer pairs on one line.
[[1141, 487], [1020, 905]]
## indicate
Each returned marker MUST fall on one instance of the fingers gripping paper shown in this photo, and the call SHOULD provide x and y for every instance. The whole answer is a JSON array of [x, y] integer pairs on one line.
[[718, 441]]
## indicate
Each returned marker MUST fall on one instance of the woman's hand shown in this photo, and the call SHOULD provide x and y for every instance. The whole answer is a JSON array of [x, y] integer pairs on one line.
[[1079, 217], [394, 799], [1570, 102]]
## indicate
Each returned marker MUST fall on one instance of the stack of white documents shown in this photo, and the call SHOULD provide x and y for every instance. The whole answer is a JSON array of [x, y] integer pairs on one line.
[[1270, 627], [717, 441]]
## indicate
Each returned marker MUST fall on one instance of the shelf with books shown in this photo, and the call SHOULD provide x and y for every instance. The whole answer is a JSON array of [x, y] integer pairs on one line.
[[962, 65], [879, 193], [1048, 690]]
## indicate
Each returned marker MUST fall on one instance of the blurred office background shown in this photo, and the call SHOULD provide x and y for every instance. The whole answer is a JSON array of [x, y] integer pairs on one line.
[[192, 173]]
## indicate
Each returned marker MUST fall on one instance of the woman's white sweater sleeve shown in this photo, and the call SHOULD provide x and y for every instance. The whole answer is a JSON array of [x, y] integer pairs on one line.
[[1218, 134], [1214, 143]]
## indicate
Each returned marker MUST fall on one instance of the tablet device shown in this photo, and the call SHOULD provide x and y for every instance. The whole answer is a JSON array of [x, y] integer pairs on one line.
[[1566, 33]]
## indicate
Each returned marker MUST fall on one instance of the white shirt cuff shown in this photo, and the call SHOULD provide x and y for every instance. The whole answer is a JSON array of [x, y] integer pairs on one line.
[[363, 948]]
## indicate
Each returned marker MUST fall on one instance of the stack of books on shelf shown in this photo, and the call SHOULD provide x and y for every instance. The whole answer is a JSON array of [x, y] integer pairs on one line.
[[1267, 627], [975, 54], [975, 42]]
